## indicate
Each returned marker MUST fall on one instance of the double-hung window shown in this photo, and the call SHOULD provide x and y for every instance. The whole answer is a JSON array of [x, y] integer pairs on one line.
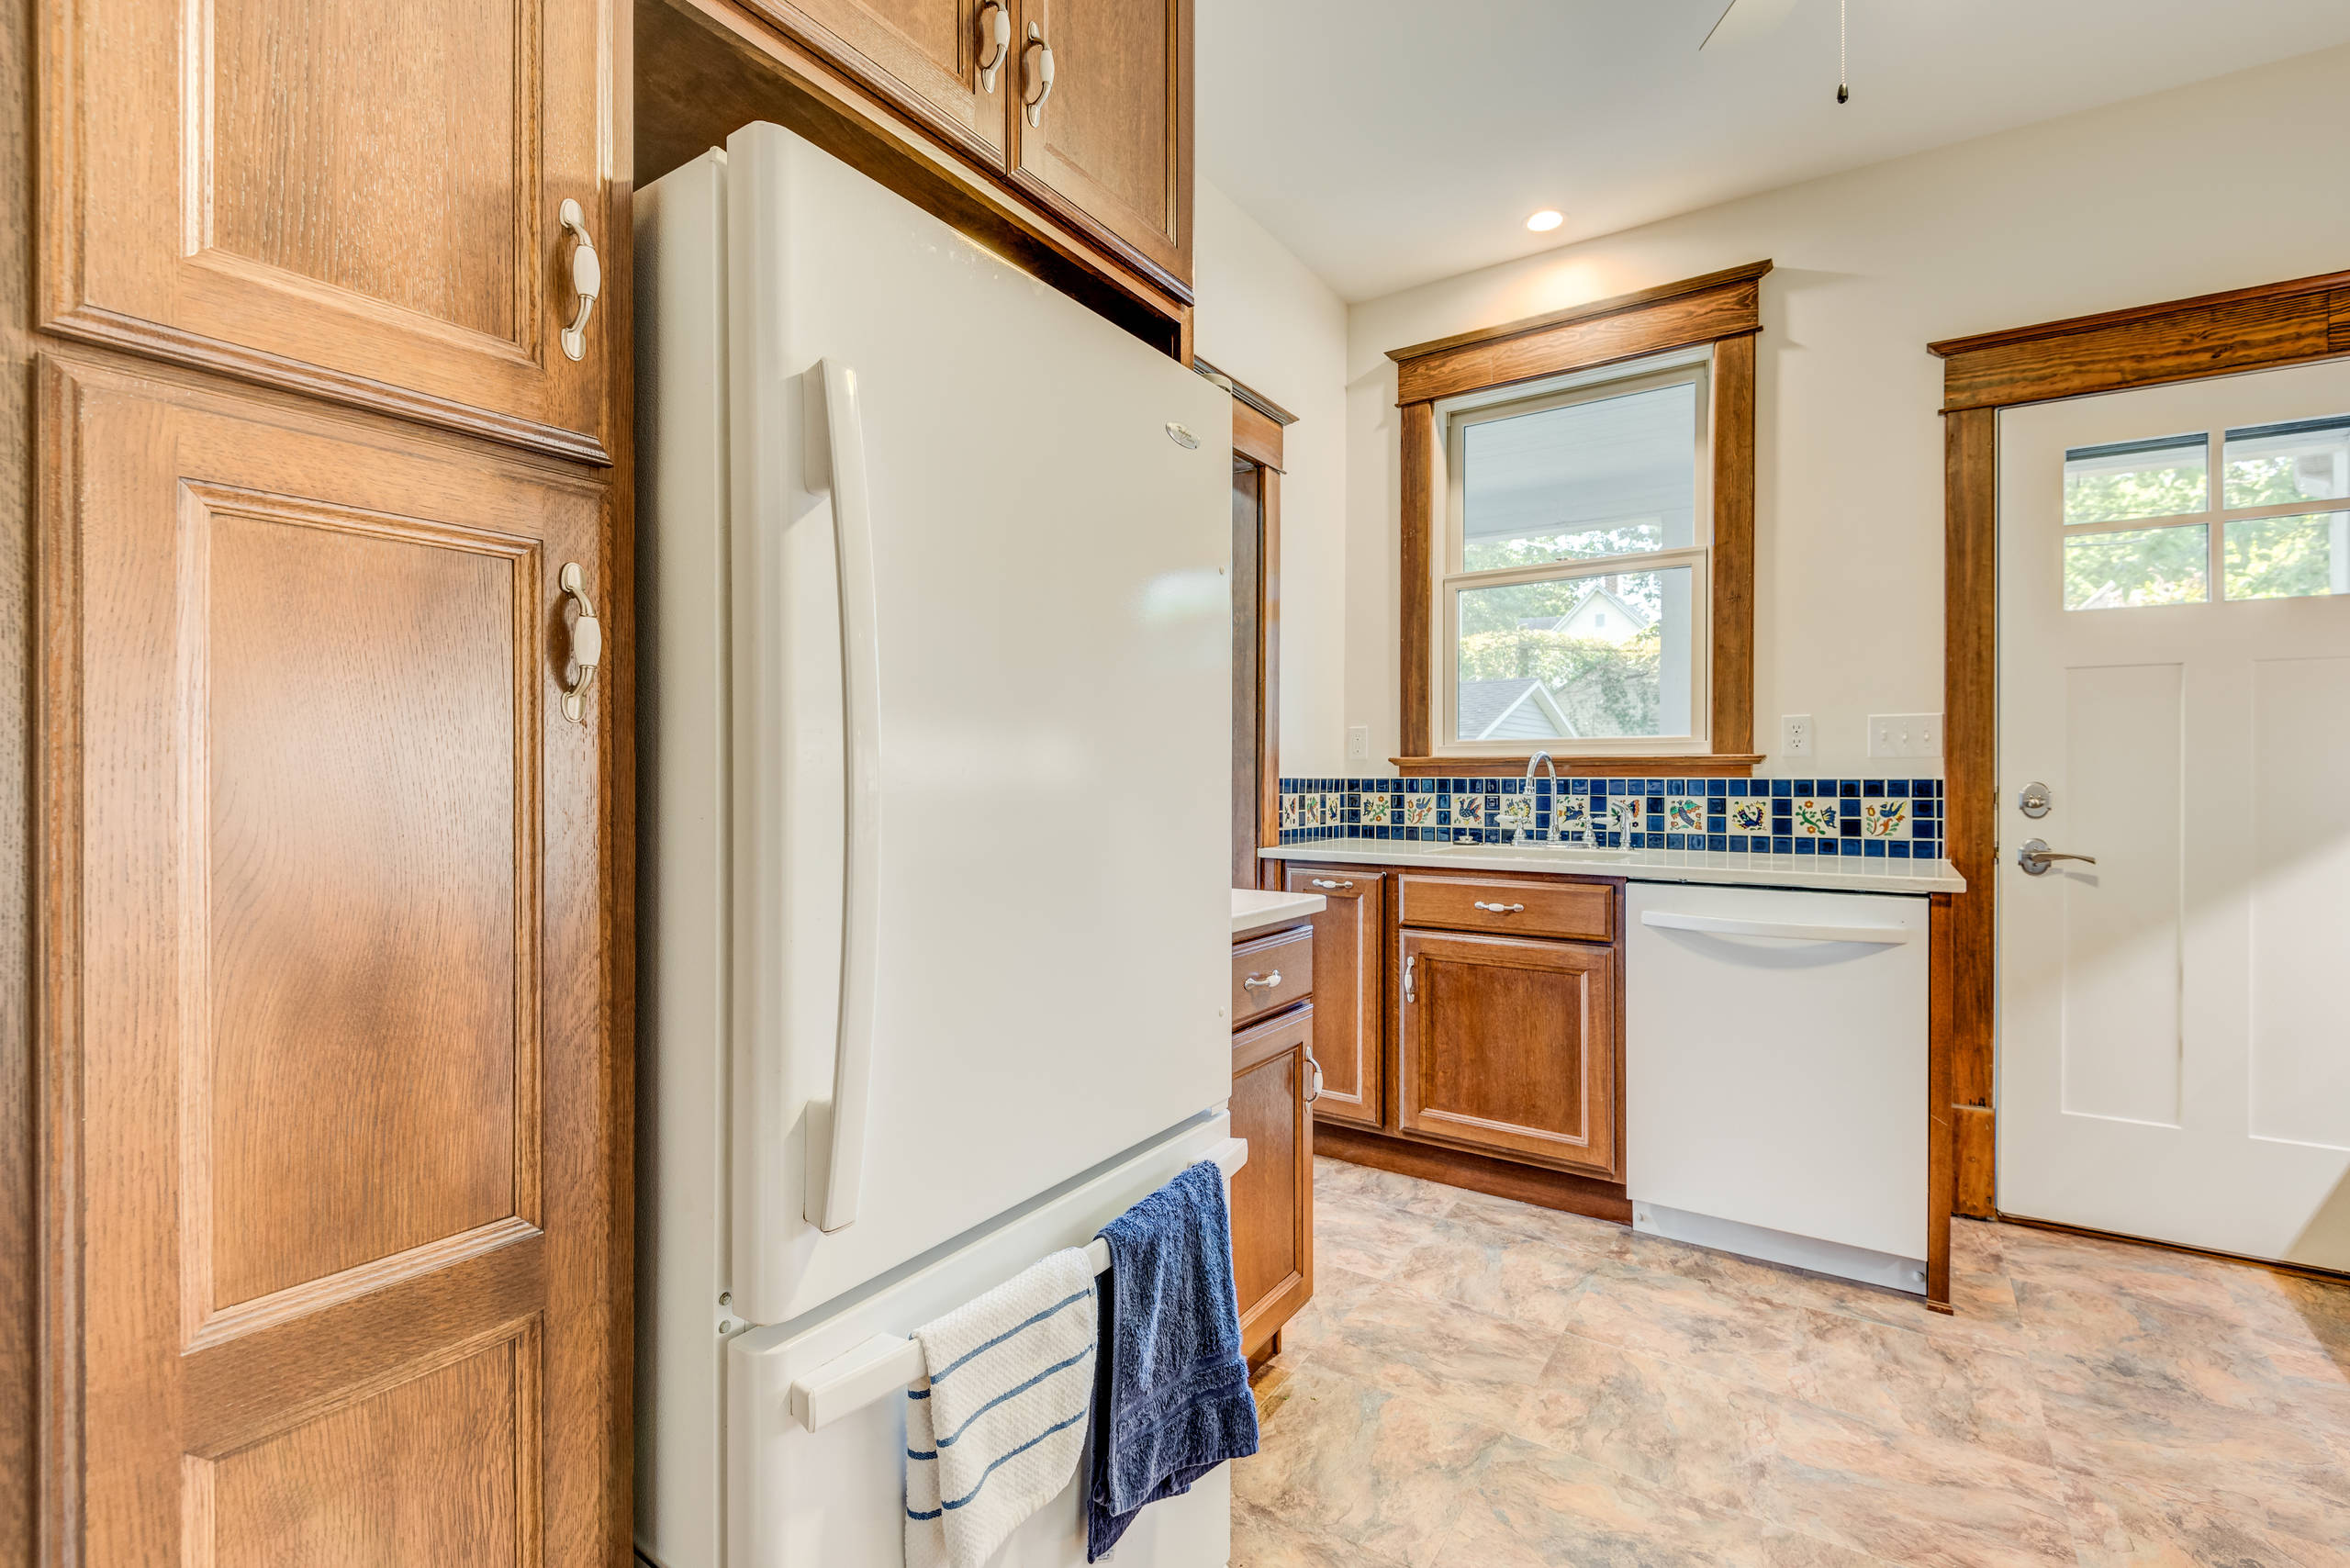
[[1574, 573]]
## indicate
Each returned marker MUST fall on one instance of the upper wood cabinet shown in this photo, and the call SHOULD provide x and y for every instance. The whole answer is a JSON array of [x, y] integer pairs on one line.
[[1508, 1044], [931, 58], [336, 1280], [362, 202], [1346, 969], [1111, 147]]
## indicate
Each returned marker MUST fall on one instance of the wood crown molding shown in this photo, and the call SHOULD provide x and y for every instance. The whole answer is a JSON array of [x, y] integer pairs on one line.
[[1725, 304], [2147, 345]]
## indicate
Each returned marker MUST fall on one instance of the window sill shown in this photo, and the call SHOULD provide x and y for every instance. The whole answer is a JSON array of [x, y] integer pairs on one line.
[[1685, 765]]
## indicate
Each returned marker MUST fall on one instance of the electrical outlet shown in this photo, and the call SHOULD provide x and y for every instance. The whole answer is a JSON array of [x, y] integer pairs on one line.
[[1795, 734], [1357, 743], [1905, 734]]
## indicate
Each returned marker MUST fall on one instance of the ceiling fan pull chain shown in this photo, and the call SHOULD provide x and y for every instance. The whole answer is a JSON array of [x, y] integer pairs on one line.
[[1843, 92]]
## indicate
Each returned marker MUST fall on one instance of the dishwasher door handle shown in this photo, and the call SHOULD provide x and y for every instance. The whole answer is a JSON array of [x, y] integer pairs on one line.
[[1793, 931]]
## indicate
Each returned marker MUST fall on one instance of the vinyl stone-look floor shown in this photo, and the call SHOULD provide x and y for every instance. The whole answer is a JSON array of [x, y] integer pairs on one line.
[[1478, 1384]]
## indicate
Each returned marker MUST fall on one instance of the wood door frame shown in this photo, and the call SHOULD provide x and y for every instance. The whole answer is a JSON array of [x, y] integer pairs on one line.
[[1256, 425], [2294, 322], [1721, 309]]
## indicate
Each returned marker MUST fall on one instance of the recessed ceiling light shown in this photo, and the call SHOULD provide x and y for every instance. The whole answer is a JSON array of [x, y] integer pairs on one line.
[[1545, 220]]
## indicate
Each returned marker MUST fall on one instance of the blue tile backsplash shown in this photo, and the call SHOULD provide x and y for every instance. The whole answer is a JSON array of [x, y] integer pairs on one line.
[[1898, 819]]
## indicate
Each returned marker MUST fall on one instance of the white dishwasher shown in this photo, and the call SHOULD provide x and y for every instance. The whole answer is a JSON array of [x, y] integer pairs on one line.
[[1775, 1075]]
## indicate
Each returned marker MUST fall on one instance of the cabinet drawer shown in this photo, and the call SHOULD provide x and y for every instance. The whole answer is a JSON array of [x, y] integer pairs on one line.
[[1283, 965], [1583, 909]]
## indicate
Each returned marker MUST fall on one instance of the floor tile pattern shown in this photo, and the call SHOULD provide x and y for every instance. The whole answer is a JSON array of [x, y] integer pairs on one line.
[[1478, 1384]]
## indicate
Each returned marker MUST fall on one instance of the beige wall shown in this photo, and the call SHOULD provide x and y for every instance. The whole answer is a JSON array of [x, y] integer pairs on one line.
[[2226, 184], [1262, 318]]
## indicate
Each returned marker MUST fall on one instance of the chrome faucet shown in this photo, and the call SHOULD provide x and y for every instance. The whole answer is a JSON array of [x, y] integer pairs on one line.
[[1544, 758]]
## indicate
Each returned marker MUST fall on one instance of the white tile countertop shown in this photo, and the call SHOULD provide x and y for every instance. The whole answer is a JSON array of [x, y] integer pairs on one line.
[[1255, 911], [1835, 873]]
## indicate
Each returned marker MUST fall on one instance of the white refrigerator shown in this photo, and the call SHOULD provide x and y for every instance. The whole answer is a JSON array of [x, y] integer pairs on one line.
[[935, 683]]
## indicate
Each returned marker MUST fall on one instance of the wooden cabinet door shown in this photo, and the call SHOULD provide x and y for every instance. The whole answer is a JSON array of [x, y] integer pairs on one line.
[[332, 1108], [1510, 1046], [921, 55], [357, 200], [1347, 1011], [1272, 1195], [1111, 150]]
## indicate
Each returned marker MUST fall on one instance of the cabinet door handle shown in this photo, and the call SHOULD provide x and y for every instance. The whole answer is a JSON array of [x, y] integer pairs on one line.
[[1316, 1065], [995, 41], [1327, 882], [587, 279], [587, 643], [1037, 58], [1501, 908], [1407, 975], [1261, 982]]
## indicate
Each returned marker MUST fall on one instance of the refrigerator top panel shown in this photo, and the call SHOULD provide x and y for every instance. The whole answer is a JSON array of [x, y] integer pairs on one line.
[[980, 723]]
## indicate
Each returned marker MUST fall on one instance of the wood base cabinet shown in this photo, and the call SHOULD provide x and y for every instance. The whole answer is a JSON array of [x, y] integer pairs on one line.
[[1349, 937], [1272, 1195], [1508, 1044]]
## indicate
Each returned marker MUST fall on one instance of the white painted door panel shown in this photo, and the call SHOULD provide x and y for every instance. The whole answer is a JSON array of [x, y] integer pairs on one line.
[[2173, 1054]]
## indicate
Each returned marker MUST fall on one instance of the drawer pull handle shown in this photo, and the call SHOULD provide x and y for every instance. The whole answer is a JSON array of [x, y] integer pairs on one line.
[[1407, 976], [1327, 882], [1316, 1065], [1501, 908], [1262, 982]]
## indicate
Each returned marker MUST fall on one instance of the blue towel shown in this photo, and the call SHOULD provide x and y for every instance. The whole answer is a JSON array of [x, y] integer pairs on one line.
[[1170, 1394]]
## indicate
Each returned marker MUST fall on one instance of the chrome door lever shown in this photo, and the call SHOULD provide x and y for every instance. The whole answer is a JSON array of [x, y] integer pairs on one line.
[[2035, 858]]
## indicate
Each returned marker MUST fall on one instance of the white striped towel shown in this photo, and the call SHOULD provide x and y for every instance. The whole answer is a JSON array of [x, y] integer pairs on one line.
[[995, 1430]]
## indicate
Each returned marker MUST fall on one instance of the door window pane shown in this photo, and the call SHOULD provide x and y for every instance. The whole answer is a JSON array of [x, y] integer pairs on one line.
[[2137, 478], [1602, 478], [2137, 567], [2287, 557], [2269, 466], [1591, 657]]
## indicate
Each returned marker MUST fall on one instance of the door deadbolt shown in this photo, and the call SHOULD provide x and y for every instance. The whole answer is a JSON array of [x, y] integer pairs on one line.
[[2033, 803]]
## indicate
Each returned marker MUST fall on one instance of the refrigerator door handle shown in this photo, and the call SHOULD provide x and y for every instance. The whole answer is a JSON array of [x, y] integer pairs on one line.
[[837, 1129]]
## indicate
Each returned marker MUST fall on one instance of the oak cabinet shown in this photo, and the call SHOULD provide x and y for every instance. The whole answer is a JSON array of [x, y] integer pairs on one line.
[[358, 202], [1348, 1008], [1273, 1194], [1102, 122], [950, 64], [1508, 1044], [336, 1281]]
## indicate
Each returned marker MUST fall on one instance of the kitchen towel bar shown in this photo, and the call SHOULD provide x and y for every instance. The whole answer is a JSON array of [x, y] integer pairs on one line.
[[886, 1363]]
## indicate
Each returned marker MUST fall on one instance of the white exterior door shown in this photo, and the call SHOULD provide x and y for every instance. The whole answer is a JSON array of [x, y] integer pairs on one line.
[[2174, 669]]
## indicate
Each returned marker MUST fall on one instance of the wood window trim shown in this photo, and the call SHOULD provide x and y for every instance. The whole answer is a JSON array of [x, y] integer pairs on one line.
[[1721, 309], [2261, 327]]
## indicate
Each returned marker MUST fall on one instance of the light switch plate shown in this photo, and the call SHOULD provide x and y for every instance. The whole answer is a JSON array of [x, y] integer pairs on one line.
[[1359, 742], [1795, 734], [1905, 734]]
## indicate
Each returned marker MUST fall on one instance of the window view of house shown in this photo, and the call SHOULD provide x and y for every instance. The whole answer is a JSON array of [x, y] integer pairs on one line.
[[1578, 551]]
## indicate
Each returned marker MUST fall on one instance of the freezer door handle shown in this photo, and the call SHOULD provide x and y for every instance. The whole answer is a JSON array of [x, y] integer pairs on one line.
[[1792, 931], [836, 1128]]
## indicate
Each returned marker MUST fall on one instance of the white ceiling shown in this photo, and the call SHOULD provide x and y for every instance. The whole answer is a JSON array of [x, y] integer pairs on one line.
[[1388, 142]]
